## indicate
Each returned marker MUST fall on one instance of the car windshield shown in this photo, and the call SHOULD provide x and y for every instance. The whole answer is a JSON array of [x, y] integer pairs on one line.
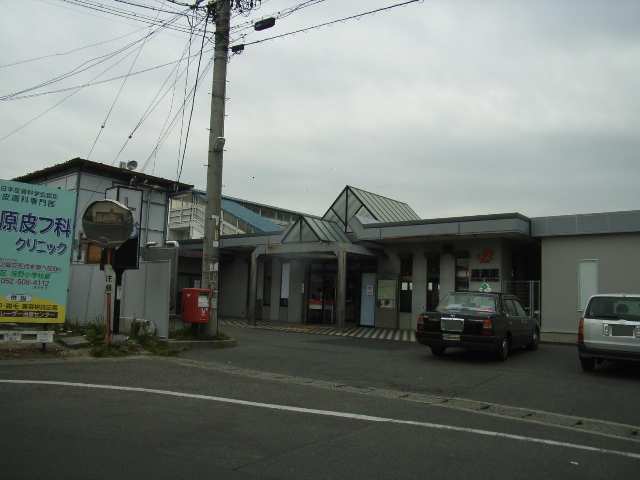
[[627, 308], [468, 301]]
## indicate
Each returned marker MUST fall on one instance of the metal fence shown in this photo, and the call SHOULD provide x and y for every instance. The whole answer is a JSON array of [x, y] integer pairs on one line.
[[528, 292], [145, 295]]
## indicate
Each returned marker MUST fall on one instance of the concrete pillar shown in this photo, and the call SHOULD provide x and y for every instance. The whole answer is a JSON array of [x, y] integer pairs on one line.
[[419, 278], [447, 274], [276, 277], [295, 292], [341, 288], [253, 287]]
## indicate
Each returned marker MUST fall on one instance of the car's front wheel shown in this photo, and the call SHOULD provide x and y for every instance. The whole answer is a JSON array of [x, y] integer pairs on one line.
[[588, 364], [503, 349], [438, 351]]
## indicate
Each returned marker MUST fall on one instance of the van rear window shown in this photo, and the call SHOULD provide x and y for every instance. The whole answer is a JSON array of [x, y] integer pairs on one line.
[[621, 308]]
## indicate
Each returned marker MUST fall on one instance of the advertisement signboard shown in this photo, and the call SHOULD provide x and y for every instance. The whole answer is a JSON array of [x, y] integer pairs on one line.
[[36, 237]]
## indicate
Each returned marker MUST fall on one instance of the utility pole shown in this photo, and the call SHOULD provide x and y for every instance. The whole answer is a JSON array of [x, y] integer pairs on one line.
[[220, 10]]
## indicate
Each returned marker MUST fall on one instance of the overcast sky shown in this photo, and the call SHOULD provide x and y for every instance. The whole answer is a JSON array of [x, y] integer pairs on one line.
[[455, 107]]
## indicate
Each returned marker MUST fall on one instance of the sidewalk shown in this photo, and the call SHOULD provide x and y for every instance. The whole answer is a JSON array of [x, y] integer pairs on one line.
[[354, 332]]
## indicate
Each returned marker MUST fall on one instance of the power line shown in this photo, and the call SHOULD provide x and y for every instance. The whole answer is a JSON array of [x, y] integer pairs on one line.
[[115, 100], [82, 68], [73, 50], [64, 99], [165, 134], [186, 82], [123, 13], [155, 101], [193, 101], [149, 7], [277, 15], [331, 22], [101, 82]]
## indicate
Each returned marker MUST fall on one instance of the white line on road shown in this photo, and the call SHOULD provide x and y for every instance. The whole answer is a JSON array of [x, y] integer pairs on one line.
[[330, 413]]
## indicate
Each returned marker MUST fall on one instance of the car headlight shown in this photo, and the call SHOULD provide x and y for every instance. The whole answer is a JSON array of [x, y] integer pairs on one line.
[[637, 331], [605, 329]]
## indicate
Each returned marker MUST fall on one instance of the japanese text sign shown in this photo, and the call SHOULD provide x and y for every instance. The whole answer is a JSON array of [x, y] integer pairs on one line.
[[36, 238]]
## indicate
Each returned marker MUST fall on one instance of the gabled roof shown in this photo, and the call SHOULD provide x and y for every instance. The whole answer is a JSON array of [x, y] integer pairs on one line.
[[313, 229], [261, 224], [370, 208]]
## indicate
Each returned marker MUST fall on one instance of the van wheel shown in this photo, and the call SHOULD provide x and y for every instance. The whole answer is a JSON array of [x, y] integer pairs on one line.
[[503, 349], [588, 364], [438, 351], [535, 340]]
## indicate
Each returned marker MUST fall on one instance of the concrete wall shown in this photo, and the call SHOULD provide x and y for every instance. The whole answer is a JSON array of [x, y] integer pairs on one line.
[[619, 272], [234, 281], [145, 295]]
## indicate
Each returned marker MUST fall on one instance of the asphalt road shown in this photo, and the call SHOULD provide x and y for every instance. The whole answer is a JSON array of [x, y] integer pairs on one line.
[[210, 414]]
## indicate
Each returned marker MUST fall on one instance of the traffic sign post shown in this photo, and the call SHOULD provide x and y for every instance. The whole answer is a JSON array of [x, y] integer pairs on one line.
[[110, 224]]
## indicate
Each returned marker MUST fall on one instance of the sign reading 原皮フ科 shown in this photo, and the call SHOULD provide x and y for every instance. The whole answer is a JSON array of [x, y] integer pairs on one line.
[[36, 237]]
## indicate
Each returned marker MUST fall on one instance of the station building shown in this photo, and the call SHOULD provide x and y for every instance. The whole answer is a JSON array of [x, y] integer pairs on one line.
[[372, 261]]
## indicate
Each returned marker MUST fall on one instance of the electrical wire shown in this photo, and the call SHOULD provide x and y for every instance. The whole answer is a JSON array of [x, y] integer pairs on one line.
[[73, 50], [123, 13], [149, 7], [115, 100], [159, 96], [86, 65], [193, 101], [171, 125], [331, 22], [64, 99], [186, 83], [101, 82], [277, 15]]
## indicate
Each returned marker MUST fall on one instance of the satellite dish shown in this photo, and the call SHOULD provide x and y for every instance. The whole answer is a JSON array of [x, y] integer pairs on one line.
[[132, 165]]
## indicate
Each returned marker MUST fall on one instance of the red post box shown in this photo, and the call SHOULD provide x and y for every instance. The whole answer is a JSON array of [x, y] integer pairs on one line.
[[195, 305]]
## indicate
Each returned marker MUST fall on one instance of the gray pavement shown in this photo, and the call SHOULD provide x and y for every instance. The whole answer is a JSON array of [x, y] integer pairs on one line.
[[68, 432]]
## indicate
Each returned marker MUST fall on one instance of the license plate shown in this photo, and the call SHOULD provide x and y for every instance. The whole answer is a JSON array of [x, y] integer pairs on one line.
[[451, 337], [622, 330]]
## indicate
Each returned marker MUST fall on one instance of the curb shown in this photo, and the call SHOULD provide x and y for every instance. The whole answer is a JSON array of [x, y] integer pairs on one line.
[[205, 343]]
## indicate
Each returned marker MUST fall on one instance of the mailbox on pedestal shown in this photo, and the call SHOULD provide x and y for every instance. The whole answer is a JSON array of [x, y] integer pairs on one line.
[[195, 305]]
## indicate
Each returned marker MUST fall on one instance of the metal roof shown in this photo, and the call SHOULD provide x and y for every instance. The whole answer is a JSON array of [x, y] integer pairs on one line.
[[251, 218], [383, 208], [322, 230], [203, 194], [76, 164], [327, 231]]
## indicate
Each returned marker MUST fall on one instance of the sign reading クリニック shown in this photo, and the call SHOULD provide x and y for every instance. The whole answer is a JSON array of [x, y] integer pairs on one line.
[[36, 236]]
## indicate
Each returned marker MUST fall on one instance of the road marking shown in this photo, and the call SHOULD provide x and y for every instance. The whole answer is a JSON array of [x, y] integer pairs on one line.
[[331, 413], [591, 426]]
